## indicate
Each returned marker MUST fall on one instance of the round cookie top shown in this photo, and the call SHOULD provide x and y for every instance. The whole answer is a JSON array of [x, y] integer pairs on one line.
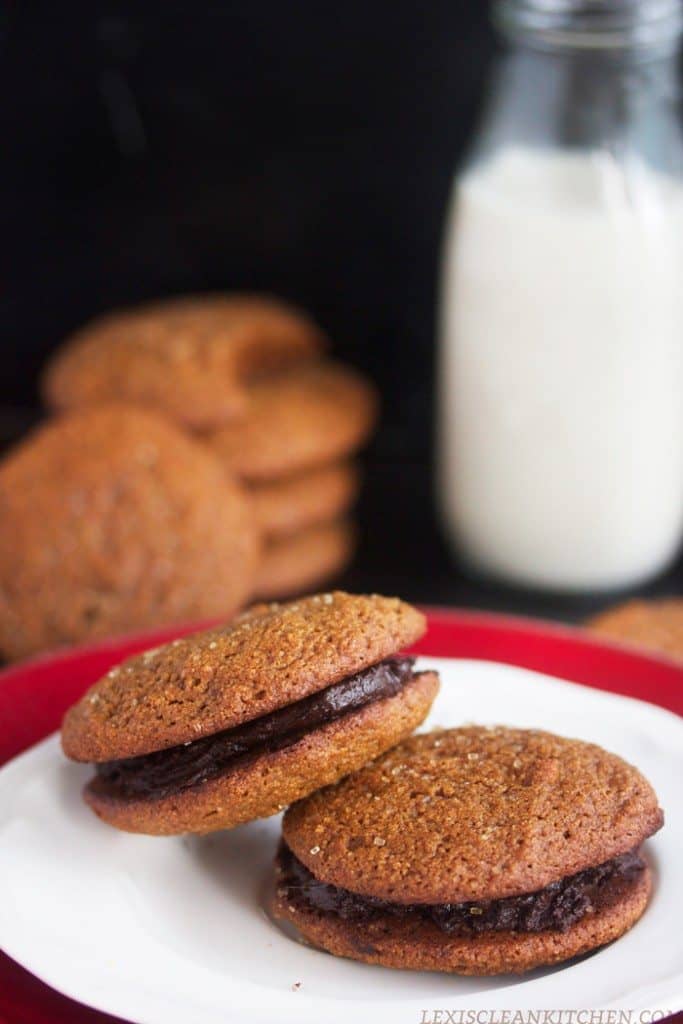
[[269, 657], [307, 417], [191, 357], [656, 625], [108, 522], [472, 814]]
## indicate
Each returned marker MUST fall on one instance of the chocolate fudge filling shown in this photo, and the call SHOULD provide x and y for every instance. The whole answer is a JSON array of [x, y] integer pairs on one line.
[[169, 771], [555, 908]]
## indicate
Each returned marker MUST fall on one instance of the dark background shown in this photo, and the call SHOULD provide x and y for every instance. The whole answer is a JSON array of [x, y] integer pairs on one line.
[[301, 147]]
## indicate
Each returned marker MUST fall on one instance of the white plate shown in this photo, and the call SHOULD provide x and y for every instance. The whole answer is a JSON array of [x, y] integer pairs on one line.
[[173, 931]]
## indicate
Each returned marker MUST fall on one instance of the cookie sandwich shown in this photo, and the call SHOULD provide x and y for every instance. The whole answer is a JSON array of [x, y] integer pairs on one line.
[[473, 850], [235, 723]]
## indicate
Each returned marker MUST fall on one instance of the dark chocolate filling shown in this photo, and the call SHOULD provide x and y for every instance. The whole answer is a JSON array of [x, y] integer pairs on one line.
[[555, 908], [176, 768]]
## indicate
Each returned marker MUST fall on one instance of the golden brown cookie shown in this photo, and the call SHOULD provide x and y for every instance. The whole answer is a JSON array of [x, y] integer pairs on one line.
[[307, 417], [294, 564], [108, 523], [656, 625], [233, 723], [475, 850], [192, 357], [292, 504]]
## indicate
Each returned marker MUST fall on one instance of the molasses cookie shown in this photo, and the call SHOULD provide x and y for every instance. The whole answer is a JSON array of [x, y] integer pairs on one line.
[[234, 723], [656, 625], [112, 519], [473, 850], [298, 563], [294, 503], [192, 357], [295, 421]]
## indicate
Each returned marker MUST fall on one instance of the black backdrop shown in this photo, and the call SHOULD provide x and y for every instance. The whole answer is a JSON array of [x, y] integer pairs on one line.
[[298, 146], [294, 145]]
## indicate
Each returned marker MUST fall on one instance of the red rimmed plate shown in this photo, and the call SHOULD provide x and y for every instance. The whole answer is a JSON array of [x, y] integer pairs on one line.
[[33, 697]]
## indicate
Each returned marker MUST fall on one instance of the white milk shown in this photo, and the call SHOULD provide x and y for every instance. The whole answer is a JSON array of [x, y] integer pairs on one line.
[[561, 372]]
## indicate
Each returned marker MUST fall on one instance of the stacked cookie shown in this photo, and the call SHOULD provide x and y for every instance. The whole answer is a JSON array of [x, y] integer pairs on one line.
[[201, 456], [246, 375], [477, 850], [191, 358], [293, 450]]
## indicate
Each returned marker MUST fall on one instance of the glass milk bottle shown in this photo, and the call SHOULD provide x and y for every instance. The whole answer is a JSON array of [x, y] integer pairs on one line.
[[560, 429]]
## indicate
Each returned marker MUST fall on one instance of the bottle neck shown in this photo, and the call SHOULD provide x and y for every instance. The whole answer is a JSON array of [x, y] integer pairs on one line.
[[584, 99], [625, 30]]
